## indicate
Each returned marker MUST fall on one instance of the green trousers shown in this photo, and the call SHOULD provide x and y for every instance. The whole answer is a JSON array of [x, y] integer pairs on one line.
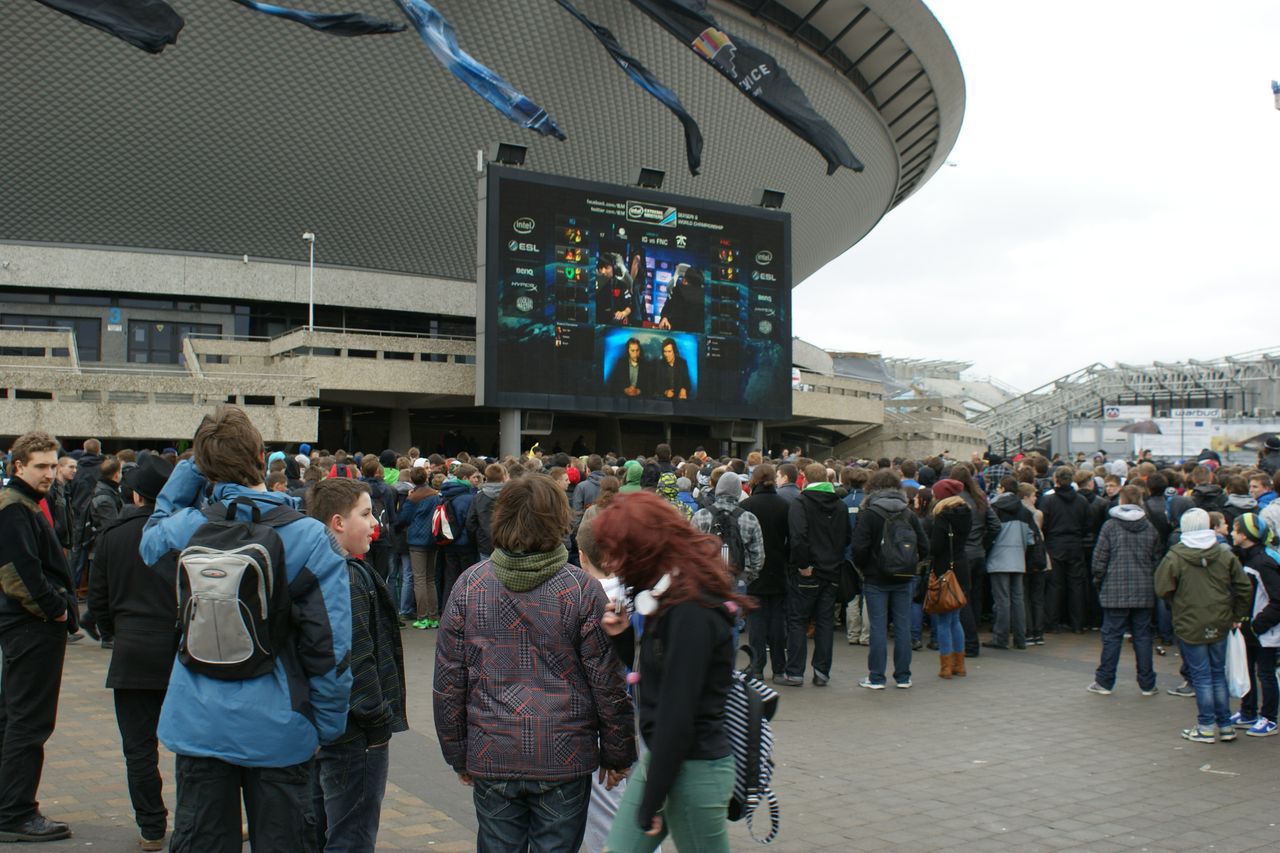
[[695, 813]]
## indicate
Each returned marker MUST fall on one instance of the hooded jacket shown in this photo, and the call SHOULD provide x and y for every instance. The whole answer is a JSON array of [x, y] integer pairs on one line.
[[452, 490], [869, 530], [586, 493], [277, 719], [1207, 589], [1209, 497], [1008, 553], [668, 492], [480, 516], [1125, 558], [1238, 505], [415, 516], [819, 523], [1066, 518], [727, 499], [380, 491], [631, 474]]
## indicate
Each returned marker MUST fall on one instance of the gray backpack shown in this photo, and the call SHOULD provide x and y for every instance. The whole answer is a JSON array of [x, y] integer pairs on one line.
[[233, 592]]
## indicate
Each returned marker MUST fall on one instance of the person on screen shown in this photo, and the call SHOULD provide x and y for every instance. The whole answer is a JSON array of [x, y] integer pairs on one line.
[[615, 297], [639, 272], [672, 373], [630, 373], [685, 308]]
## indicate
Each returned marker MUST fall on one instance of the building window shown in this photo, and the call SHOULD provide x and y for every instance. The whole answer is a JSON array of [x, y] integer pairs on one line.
[[88, 333], [153, 342]]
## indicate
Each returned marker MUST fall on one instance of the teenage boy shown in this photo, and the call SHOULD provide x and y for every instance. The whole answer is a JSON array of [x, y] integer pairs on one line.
[[351, 772], [37, 612], [253, 738]]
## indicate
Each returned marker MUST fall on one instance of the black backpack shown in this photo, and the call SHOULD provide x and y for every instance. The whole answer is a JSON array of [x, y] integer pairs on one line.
[[233, 593], [724, 524], [384, 516], [899, 547]]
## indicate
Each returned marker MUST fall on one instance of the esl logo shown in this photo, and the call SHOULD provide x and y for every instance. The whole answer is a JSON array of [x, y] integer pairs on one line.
[[517, 246]]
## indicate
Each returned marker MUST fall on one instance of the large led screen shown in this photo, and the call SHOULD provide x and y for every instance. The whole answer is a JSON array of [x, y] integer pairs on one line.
[[612, 299]]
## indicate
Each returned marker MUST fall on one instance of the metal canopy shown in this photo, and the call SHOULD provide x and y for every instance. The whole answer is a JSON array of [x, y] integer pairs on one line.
[[251, 130]]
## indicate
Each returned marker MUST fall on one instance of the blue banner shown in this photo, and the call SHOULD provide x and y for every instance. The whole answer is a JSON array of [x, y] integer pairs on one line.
[[443, 42]]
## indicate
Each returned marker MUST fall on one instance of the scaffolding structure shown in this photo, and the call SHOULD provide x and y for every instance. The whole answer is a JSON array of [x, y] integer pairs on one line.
[[1243, 385]]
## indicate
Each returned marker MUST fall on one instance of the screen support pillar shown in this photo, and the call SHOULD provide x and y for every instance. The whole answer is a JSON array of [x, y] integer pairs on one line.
[[609, 435], [508, 432], [400, 431], [759, 436]]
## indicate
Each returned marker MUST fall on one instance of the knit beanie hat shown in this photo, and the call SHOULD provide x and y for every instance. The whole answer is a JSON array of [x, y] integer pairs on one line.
[[948, 488], [729, 484], [1193, 519], [1252, 526]]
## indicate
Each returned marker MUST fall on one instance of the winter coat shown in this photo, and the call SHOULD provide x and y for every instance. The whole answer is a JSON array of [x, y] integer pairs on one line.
[[277, 719], [415, 516], [1008, 553], [771, 511], [1125, 558], [748, 529], [80, 491], [789, 492], [527, 685], [1270, 462], [584, 495], [1260, 565], [1066, 520], [60, 508], [480, 516], [1237, 505], [952, 520], [1209, 497], [34, 576], [105, 505], [379, 490], [985, 529], [869, 531], [378, 706], [819, 533], [1207, 589], [135, 603]]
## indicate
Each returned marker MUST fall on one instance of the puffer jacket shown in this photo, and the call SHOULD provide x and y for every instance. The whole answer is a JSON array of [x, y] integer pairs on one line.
[[1125, 557], [1009, 552], [1207, 589], [415, 515], [527, 685]]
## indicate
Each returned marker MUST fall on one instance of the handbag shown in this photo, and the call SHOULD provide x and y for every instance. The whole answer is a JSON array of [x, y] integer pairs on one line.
[[945, 594]]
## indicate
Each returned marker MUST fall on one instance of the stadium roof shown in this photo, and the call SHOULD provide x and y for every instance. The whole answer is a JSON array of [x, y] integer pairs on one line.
[[251, 130]]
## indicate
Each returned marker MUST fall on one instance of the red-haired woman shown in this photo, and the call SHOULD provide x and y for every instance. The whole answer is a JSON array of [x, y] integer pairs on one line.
[[683, 783]]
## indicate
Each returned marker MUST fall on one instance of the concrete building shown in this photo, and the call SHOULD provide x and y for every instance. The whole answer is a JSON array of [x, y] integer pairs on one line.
[[150, 255]]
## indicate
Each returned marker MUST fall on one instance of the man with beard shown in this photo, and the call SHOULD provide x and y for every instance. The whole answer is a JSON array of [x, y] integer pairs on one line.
[[672, 373], [37, 612], [629, 376]]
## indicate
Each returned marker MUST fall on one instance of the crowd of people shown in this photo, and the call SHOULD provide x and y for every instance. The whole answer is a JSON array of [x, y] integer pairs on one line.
[[587, 611]]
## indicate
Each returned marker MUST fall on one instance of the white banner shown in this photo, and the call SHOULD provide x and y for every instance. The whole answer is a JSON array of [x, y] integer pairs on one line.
[[1179, 438], [1126, 413]]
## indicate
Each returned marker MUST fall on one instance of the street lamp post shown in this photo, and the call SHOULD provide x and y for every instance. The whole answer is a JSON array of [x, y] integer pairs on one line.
[[310, 237]]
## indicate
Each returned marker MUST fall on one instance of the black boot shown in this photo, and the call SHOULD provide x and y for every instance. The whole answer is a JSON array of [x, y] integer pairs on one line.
[[38, 828]]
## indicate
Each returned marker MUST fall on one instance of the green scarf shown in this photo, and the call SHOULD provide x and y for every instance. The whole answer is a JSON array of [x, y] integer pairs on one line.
[[523, 572], [820, 487]]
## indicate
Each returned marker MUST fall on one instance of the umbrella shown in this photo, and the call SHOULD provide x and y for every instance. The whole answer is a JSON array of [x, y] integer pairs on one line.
[[1142, 428]]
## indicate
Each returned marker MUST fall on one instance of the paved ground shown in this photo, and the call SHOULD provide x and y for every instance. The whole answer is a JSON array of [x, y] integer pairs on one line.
[[1016, 757]]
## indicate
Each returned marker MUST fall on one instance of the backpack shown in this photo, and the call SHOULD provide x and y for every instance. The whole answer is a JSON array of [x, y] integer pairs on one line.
[[444, 523], [749, 708], [382, 517], [233, 593], [724, 524], [342, 470], [899, 549]]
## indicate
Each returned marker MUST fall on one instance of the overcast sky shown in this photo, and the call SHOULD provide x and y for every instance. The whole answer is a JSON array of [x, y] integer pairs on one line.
[[1116, 197]]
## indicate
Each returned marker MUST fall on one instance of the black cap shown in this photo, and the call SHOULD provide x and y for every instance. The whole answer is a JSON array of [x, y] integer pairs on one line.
[[149, 477]]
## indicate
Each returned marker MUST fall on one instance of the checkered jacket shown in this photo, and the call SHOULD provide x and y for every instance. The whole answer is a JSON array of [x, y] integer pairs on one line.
[[527, 685], [1124, 562]]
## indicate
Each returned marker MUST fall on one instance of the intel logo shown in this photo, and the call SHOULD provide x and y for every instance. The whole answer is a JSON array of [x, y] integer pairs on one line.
[[523, 225], [635, 211], [764, 258]]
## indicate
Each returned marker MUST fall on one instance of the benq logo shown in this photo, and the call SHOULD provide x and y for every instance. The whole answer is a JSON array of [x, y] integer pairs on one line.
[[764, 258], [636, 211], [523, 225]]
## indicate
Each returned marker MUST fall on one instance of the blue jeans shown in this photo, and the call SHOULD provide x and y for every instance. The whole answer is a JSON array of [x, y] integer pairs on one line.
[[525, 814], [1114, 622], [1010, 611], [1206, 663], [350, 779], [884, 602], [808, 597], [408, 601], [948, 632], [917, 611], [1164, 621]]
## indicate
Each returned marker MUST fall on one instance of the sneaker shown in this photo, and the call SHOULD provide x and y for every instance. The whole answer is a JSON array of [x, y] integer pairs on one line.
[[904, 685], [1183, 689], [1262, 728], [820, 680], [1226, 734], [789, 680], [1095, 687], [1239, 721], [992, 644], [917, 645], [1161, 650], [1198, 734], [1149, 691], [151, 844], [870, 685], [422, 624]]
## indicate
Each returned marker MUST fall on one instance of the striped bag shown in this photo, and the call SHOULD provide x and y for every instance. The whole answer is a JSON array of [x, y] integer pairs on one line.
[[748, 710]]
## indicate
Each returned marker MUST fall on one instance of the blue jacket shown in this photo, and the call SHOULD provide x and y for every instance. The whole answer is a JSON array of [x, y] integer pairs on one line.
[[418, 515], [279, 719]]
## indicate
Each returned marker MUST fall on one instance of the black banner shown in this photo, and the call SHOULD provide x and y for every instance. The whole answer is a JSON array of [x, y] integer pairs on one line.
[[146, 24], [333, 23], [756, 73], [645, 80]]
